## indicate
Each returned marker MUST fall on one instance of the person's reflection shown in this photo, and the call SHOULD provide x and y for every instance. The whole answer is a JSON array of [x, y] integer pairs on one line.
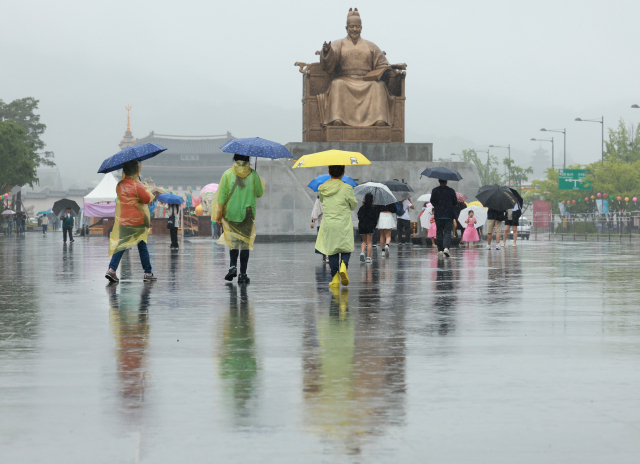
[[130, 326], [238, 362], [497, 288], [67, 264], [445, 298], [353, 369]]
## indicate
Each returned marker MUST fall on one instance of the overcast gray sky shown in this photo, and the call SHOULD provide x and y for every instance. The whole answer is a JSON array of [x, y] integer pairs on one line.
[[479, 72]]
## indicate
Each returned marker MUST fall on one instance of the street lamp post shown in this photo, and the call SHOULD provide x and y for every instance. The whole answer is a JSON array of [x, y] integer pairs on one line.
[[564, 152], [547, 140], [508, 147], [601, 121]]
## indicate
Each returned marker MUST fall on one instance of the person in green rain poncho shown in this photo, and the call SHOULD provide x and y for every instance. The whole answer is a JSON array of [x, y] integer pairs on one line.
[[335, 238], [234, 206]]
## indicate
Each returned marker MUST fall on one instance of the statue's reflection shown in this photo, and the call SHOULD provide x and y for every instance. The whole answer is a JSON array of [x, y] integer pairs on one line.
[[238, 361], [129, 319], [353, 369]]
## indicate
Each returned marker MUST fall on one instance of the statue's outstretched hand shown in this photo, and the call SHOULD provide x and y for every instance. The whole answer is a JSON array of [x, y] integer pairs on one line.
[[326, 47]]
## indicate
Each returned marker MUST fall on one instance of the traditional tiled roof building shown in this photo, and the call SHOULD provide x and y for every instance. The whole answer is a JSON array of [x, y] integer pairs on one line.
[[190, 162]]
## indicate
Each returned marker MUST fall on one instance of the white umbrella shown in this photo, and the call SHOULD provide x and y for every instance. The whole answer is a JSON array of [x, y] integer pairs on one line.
[[8, 211], [425, 217], [479, 213], [381, 193], [425, 197]]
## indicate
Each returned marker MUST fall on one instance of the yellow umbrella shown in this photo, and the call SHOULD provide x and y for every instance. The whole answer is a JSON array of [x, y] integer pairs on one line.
[[476, 203], [332, 158]]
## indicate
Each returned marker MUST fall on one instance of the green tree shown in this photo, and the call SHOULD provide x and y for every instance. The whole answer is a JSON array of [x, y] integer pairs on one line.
[[518, 174], [488, 171], [620, 147], [22, 112], [18, 157]]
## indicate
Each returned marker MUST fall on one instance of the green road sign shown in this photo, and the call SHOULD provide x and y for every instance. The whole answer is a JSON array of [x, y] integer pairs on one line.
[[573, 179]]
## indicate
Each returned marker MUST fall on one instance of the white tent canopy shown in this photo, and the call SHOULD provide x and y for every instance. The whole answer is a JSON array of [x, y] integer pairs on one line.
[[105, 191]]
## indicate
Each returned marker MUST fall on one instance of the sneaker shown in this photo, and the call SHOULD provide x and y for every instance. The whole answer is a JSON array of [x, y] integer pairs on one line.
[[386, 250], [488, 247], [362, 257], [440, 254], [369, 260], [244, 279], [497, 247], [446, 252], [111, 276], [233, 272], [149, 278], [326, 260]]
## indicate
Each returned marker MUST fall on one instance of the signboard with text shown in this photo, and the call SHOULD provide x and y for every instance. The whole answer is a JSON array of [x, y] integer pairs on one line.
[[573, 179]]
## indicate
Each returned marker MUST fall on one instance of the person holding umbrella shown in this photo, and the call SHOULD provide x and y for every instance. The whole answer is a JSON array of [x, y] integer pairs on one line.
[[513, 219], [336, 234], [498, 199], [445, 204], [67, 225], [234, 206], [132, 221], [44, 222]]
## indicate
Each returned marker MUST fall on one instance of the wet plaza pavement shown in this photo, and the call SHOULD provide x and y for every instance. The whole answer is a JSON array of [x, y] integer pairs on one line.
[[521, 355]]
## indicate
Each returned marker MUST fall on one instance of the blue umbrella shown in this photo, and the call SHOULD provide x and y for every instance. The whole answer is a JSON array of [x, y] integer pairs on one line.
[[134, 152], [255, 146], [440, 172], [171, 199], [318, 181]]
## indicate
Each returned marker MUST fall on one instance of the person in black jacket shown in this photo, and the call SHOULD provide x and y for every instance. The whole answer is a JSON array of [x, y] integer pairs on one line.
[[445, 205], [368, 216]]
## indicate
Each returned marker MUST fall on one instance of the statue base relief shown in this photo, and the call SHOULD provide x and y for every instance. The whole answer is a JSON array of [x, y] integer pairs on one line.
[[361, 134]]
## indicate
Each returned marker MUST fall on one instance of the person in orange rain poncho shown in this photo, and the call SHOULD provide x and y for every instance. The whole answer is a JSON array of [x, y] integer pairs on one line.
[[132, 221]]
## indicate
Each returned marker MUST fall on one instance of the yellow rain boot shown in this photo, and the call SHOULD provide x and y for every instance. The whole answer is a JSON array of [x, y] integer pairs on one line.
[[343, 274], [336, 281]]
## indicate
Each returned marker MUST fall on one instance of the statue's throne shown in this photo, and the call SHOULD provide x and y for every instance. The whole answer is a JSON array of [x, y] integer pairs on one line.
[[316, 81]]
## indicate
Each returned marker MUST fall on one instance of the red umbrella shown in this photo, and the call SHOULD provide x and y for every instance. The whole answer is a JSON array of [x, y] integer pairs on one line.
[[461, 198]]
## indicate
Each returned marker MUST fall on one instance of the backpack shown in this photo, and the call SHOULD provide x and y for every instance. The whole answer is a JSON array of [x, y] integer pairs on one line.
[[399, 209]]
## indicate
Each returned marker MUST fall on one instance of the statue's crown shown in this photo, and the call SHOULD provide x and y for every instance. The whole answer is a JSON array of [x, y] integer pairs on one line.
[[353, 12]]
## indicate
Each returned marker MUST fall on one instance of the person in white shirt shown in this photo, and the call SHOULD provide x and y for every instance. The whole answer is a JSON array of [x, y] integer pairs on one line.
[[513, 221], [404, 223]]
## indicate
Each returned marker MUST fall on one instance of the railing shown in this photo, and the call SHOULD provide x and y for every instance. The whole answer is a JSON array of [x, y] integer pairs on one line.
[[586, 227]]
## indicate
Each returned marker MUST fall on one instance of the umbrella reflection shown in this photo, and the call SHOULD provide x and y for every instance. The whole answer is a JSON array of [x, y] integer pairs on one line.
[[237, 356], [129, 320]]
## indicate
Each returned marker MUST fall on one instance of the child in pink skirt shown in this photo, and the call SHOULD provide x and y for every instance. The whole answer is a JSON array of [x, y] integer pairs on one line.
[[470, 233], [432, 231]]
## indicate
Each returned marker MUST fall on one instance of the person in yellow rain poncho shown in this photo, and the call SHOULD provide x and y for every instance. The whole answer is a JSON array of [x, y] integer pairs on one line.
[[335, 238], [234, 206], [132, 221]]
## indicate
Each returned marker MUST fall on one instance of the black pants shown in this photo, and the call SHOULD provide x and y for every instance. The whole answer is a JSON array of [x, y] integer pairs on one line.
[[404, 230], [244, 259], [44, 229], [444, 228], [174, 237], [334, 262], [65, 231]]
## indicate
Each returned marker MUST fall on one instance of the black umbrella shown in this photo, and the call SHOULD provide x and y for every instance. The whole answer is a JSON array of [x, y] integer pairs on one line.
[[498, 197], [518, 197], [401, 190], [61, 205], [439, 172]]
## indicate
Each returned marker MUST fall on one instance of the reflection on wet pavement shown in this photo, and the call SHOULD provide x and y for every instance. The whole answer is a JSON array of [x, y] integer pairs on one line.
[[518, 355]]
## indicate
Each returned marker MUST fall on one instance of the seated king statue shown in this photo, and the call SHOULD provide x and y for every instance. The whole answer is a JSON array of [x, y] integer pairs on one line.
[[357, 96]]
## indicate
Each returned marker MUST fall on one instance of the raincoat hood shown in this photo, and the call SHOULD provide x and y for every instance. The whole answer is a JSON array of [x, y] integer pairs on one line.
[[330, 187], [241, 168]]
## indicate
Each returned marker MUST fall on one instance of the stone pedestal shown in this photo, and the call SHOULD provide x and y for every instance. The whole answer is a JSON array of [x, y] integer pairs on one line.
[[284, 212]]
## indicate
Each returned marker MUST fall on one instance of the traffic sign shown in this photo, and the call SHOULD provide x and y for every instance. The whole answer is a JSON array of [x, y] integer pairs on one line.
[[573, 179]]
